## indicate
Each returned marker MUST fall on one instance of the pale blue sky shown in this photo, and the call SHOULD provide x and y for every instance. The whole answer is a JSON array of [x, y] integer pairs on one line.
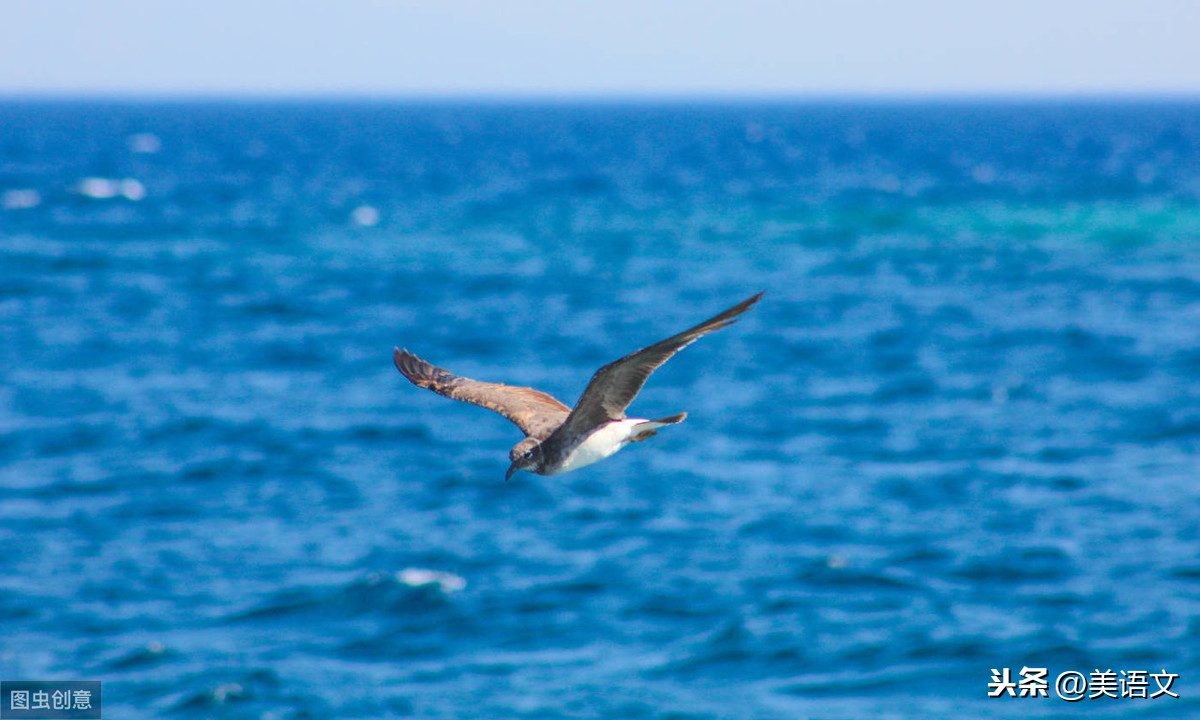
[[614, 47]]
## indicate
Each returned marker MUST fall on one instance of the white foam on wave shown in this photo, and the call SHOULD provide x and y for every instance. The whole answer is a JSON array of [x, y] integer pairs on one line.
[[418, 577], [20, 199], [99, 188], [365, 215], [133, 189], [144, 143]]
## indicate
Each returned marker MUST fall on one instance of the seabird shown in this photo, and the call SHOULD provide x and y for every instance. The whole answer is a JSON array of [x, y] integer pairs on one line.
[[560, 439]]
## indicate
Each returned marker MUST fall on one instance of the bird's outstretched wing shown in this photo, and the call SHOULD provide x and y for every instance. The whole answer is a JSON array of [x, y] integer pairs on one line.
[[616, 384], [535, 412]]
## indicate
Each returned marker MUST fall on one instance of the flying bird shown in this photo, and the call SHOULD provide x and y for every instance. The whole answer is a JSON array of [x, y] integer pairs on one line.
[[560, 439]]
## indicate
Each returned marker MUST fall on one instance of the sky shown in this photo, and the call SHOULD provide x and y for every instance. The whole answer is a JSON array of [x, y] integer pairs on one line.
[[568, 48]]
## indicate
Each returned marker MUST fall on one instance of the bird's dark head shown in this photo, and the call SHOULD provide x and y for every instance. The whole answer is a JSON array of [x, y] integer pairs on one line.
[[525, 455]]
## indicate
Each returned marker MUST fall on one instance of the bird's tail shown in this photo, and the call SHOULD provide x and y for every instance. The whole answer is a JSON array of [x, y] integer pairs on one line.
[[646, 430], [666, 421]]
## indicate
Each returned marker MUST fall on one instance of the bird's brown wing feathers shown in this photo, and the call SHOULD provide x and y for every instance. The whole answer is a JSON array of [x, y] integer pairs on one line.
[[535, 412], [616, 384]]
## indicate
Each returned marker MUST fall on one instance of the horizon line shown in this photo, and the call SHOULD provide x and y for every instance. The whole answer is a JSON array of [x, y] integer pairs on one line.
[[603, 97]]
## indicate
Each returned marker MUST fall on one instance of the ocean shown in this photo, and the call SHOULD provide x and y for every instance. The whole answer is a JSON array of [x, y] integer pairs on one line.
[[955, 445]]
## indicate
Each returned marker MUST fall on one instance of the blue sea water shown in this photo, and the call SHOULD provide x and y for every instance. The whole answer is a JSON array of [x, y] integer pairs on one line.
[[960, 433]]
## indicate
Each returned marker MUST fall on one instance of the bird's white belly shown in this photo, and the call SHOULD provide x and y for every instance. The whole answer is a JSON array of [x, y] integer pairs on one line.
[[605, 441]]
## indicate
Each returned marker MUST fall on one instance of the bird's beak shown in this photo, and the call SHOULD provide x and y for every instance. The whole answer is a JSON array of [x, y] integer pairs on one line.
[[511, 469]]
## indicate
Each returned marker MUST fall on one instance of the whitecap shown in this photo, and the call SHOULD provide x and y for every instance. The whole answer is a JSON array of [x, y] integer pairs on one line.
[[20, 199], [133, 189], [418, 577], [98, 188], [365, 215], [144, 143], [226, 692]]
